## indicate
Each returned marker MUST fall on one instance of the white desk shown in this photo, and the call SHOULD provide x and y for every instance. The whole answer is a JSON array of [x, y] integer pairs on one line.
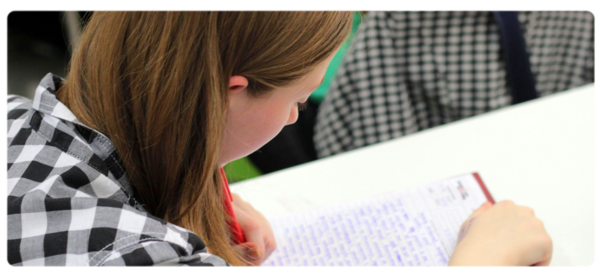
[[539, 154]]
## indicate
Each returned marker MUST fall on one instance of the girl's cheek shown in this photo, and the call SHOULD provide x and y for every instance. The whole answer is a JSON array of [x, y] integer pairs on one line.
[[293, 117]]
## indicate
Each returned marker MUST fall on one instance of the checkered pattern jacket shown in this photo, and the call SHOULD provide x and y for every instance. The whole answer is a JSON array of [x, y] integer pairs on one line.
[[409, 71], [69, 200]]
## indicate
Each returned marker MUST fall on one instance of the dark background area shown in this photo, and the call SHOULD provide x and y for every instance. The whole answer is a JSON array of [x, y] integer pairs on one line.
[[38, 43]]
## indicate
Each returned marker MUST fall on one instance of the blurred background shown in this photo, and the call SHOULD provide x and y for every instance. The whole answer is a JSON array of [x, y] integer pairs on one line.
[[38, 43]]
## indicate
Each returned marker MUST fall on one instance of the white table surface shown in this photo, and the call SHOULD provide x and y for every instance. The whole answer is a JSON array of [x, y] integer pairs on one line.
[[539, 154]]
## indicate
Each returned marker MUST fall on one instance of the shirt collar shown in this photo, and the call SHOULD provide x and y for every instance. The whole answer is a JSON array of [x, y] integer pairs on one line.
[[52, 119], [45, 100]]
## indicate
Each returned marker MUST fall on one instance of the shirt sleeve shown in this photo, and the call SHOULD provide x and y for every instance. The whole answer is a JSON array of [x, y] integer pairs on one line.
[[159, 253]]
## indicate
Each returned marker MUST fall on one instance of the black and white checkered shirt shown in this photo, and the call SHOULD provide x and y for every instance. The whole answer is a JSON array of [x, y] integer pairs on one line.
[[69, 200], [409, 71]]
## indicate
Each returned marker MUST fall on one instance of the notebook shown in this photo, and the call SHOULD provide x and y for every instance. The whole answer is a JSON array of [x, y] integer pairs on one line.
[[410, 227]]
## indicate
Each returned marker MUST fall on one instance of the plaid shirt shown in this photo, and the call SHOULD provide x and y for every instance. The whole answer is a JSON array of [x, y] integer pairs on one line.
[[409, 71], [69, 199]]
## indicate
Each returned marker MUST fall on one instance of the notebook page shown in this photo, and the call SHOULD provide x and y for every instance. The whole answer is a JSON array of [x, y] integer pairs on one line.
[[411, 227]]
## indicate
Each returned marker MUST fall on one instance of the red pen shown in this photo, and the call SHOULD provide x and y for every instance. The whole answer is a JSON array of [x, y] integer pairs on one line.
[[236, 230]]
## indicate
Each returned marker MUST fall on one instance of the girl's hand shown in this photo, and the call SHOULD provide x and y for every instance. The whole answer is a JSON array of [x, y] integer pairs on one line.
[[503, 234], [260, 240]]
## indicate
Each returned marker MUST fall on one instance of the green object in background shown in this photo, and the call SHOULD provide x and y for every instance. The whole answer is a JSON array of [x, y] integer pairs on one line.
[[240, 170], [319, 94]]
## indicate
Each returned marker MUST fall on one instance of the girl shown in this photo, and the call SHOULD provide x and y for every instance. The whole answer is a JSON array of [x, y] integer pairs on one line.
[[121, 163]]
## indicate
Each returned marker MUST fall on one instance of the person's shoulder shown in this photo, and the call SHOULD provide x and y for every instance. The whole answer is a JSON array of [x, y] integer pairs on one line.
[[17, 99], [17, 106], [143, 254]]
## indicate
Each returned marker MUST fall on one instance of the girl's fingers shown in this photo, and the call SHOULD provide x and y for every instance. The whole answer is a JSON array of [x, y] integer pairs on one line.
[[252, 231], [250, 251], [487, 205], [256, 228]]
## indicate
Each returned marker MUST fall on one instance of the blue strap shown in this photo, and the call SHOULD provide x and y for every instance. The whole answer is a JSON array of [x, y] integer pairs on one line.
[[518, 70]]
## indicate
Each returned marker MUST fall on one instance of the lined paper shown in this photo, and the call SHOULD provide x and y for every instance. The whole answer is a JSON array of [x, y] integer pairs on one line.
[[411, 227]]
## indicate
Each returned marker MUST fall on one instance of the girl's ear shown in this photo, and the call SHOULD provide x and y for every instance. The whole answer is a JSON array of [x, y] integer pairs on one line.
[[238, 97], [237, 84]]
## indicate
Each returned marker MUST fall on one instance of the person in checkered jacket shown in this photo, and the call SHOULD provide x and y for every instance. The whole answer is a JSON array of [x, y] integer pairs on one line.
[[410, 71], [121, 162]]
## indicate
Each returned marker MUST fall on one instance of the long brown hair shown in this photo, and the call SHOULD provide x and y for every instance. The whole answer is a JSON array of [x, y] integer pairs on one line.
[[156, 84]]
